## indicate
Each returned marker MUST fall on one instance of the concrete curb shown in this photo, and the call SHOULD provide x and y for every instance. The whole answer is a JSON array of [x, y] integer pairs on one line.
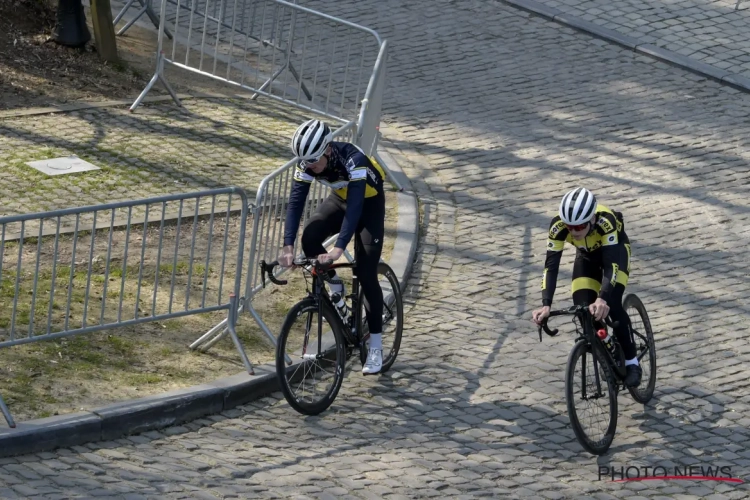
[[175, 407], [720, 75]]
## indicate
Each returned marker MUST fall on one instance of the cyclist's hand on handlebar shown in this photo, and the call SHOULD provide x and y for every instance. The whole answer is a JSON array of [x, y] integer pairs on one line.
[[331, 256], [539, 315], [599, 309], [286, 257]]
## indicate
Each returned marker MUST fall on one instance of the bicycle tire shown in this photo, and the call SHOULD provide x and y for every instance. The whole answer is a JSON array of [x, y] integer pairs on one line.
[[392, 310], [580, 351], [643, 394], [330, 366]]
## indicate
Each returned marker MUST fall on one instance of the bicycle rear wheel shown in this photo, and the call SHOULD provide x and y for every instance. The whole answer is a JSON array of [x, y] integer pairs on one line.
[[645, 347], [393, 317], [312, 381], [591, 395]]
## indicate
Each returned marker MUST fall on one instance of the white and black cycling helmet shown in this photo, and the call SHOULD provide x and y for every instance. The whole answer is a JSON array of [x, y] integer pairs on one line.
[[577, 207], [310, 140]]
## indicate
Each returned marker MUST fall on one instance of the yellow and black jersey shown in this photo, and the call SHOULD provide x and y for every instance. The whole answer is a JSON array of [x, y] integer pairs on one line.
[[608, 230], [601, 246]]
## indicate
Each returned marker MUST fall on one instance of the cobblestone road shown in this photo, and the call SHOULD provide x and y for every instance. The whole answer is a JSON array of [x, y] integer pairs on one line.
[[494, 115], [710, 31]]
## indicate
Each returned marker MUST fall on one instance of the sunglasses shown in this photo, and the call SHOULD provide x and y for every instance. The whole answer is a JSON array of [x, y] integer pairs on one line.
[[579, 227], [309, 163]]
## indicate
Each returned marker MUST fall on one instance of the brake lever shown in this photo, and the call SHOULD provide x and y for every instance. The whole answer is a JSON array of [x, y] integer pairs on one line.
[[268, 268], [610, 323], [546, 329], [262, 266]]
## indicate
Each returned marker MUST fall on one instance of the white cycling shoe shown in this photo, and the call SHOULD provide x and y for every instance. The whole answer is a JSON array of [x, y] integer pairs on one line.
[[374, 362]]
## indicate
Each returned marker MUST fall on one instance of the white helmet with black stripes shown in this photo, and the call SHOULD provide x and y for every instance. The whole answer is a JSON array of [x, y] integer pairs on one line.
[[577, 207], [310, 140]]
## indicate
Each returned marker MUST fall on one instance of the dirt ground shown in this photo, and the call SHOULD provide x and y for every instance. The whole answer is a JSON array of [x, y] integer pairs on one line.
[[37, 72]]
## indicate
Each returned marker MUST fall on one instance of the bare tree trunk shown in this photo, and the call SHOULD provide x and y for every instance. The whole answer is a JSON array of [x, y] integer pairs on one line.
[[104, 30]]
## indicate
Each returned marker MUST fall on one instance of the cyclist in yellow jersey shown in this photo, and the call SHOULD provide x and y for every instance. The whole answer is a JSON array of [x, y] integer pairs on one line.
[[601, 268]]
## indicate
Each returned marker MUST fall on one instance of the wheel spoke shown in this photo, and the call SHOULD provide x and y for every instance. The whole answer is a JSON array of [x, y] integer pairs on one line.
[[646, 351], [590, 409], [309, 385]]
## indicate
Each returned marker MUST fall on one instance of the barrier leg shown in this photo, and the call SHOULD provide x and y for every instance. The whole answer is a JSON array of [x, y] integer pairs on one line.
[[155, 19], [302, 84], [263, 326], [132, 22], [268, 82], [145, 9], [159, 75], [205, 342], [6, 413], [122, 12], [231, 323]]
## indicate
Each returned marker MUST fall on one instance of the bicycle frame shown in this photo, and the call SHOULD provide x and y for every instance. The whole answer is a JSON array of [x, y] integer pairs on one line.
[[351, 333], [587, 323], [319, 293]]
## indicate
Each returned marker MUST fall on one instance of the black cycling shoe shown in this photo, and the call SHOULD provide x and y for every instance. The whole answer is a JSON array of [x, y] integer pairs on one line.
[[633, 375]]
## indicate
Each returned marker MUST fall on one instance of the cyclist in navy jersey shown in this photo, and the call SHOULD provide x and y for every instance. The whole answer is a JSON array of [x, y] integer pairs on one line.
[[355, 208]]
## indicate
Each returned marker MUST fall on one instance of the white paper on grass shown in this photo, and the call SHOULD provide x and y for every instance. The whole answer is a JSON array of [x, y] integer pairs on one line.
[[59, 166]]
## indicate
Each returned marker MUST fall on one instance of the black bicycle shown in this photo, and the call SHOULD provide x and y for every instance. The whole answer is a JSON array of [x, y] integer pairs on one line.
[[315, 341], [595, 372]]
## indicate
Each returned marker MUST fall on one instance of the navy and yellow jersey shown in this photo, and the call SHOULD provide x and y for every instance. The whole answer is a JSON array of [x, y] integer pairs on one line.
[[346, 163], [350, 174], [602, 245]]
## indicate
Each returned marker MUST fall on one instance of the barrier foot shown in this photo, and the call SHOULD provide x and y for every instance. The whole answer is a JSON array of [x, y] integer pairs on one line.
[[215, 340], [6, 413], [158, 75], [204, 339], [197, 343], [268, 82]]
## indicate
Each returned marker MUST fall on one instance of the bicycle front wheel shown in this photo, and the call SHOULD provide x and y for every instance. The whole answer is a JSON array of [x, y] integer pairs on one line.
[[645, 347], [591, 396], [393, 317], [310, 357]]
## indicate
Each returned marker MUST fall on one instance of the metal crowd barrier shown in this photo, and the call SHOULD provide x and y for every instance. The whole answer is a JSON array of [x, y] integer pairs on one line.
[[273, 48], [146, 8], [368, 124], [89, 269], [269, 213]]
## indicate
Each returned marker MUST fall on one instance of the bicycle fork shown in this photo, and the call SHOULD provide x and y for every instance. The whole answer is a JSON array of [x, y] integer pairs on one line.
[[597, 377], [308, 327]]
